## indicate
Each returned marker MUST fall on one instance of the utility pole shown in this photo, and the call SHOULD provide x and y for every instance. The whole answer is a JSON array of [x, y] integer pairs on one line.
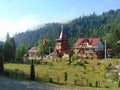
[[49, 50], [105, 49]]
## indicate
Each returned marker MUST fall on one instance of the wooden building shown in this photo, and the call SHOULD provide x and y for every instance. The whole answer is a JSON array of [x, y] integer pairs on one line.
[[32, 52], [88, 47], [62, 46]]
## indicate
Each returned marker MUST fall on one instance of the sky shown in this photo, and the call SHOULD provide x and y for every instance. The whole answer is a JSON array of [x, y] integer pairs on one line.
[[22, 15]]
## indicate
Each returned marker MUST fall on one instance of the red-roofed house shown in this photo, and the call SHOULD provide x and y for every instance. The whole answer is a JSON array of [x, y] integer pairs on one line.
[[86, 47]]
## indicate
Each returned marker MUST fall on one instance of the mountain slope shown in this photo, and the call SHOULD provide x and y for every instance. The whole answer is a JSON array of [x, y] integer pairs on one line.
[[86, 26]]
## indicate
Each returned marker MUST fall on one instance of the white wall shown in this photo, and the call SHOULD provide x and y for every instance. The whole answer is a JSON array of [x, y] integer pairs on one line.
[[99, 47]]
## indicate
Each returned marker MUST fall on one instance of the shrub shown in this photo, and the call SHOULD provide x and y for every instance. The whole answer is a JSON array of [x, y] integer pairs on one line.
[[80, 63], [16, 72], [76, 75], [86, 62], [75, 57], [87, 81], [84, 67], [1, 64], [69, 60], [109, 67], [96, 83], [106, 86], [98, 63], [75, 82], [90, 84], [65, 76], [50, 80], [50, 64], [58, 79], [6, 73], [32, 71]]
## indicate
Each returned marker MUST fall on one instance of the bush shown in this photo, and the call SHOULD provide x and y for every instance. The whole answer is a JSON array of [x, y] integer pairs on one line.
[[86, 62], [96, 83], [16, 73], [106, 86], [84, 67], [75, 82], [58, 79], [90, 84], [109, 67], [69, 60], [75, 57], [80, 63], [6, 73], [1, 64], [98, 63], [65, 76], [50, 80], [32, 71], [87, 81]]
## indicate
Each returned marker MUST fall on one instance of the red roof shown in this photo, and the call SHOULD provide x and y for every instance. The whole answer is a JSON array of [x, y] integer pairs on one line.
[[54, 53], [91, 41]]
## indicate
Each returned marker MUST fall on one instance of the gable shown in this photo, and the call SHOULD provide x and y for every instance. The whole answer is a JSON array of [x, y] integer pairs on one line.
[[90, 41]]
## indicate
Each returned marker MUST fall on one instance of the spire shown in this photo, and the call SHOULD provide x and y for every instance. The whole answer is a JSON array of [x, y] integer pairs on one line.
[[61, 34]]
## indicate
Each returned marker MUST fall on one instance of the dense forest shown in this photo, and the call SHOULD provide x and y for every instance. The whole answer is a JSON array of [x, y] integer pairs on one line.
[[105, 26]]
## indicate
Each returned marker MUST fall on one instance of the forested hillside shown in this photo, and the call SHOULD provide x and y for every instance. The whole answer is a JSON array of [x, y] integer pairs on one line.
[[105, 26]]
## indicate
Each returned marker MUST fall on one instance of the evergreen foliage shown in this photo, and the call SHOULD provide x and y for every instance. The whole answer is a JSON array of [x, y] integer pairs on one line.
[[65, 76], [96, 83], [43, 50], [20, 52], [1, 58], [32, 71], [105, 26], [9, 49]]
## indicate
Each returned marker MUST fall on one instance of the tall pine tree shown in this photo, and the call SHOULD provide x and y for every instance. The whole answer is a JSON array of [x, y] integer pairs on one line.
[[1, 58], [9, 49]]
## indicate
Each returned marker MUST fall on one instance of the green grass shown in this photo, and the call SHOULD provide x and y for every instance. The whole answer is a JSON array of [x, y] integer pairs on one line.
[[75, 72]]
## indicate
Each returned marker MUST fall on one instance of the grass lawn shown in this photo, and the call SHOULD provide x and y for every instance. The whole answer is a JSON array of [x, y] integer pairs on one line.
[[79, 76]]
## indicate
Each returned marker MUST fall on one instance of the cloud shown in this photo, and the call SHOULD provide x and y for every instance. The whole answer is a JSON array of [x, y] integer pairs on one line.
[[21, 25], [31, 22]]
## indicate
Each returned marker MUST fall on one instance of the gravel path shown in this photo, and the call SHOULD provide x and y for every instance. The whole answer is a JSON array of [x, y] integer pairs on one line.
[[8, 84]]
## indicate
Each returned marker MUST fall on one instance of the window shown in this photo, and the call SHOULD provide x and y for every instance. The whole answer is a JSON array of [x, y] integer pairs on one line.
[[85, 44]]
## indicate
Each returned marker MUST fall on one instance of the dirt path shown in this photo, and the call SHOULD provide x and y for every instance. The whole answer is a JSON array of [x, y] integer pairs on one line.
[[8, 84]]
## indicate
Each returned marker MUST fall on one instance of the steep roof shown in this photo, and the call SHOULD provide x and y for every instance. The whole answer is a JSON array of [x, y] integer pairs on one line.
[[62, 35], [33, 49], [91, 41], [54, 53]]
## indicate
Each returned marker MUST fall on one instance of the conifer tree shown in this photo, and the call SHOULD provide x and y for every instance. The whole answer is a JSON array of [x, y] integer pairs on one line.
[[32, 72], [1, 63], [65, 76], [1, 59], [9, 49]]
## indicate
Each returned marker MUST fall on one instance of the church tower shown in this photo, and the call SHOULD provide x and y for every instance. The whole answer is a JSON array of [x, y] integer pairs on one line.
[[62, 46]]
